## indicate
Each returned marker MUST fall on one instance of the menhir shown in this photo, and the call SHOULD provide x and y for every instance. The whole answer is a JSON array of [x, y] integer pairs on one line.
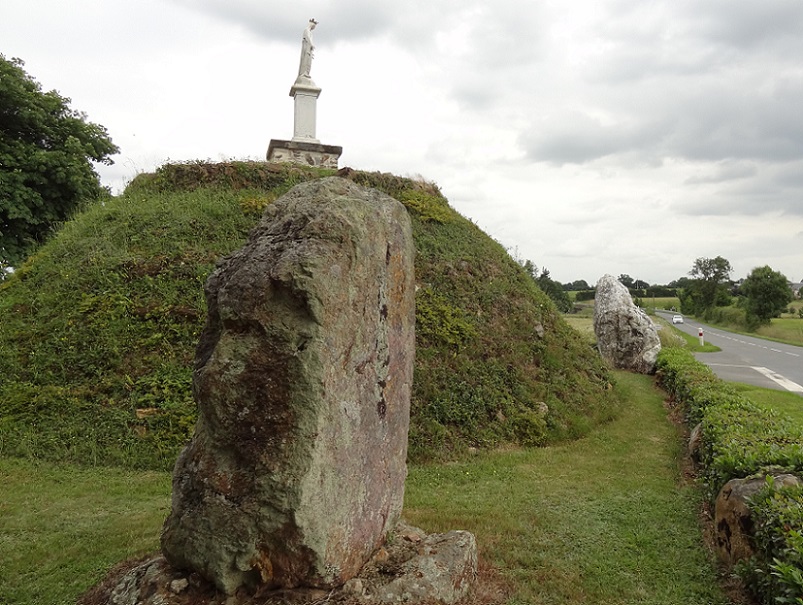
[[295, 473], [626, 336]]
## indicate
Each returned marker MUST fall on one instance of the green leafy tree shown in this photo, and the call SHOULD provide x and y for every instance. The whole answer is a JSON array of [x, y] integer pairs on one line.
[[766, 293], [46, 155], [576, 285], [626, 280], [709, 287], [549, 286]]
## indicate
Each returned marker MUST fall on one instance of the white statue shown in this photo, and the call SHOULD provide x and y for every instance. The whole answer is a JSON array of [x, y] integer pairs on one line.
[[307, 48]]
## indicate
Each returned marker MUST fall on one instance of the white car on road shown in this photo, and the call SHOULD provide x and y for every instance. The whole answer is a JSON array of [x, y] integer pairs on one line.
[[677, 319]]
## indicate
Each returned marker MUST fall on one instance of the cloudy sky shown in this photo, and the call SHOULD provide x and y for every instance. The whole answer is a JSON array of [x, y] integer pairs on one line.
[[591, 136]]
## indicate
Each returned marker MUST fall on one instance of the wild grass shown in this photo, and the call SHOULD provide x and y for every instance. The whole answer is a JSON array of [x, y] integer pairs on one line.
[[607, 519]]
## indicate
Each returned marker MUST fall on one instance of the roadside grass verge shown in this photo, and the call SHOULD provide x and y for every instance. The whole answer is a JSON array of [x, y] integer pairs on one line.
[[606, 519], [787, 329], [672, 337], [783, 329], [790, 404], [693, 343]]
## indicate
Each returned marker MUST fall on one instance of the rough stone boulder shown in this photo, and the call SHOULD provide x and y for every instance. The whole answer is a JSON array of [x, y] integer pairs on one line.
[[732, 519], [626, 336], [295, 473], [412, 568]]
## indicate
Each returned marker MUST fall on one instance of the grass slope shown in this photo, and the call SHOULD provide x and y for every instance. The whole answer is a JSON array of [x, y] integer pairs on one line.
[[98, 328]]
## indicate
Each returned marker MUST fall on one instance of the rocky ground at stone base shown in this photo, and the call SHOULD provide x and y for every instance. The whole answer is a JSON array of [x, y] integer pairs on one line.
[[410, 564]]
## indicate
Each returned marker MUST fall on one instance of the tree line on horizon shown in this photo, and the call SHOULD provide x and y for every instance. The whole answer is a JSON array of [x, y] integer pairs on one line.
[[761, 296]]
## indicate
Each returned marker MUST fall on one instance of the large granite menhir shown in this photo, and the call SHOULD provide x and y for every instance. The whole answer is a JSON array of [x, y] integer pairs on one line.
[[295, 473], [626, 336]]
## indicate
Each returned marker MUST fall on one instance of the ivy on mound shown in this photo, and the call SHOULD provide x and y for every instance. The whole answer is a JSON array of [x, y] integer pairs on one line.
[[98, 328]]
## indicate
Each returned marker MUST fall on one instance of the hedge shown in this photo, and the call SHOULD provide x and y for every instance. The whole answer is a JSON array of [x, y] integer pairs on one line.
[[738, 439]]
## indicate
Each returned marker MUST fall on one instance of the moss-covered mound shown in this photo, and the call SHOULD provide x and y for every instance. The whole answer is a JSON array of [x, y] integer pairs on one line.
[[98, 328]]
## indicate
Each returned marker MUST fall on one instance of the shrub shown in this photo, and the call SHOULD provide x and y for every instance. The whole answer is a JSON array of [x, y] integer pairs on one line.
[[738, 439], [776, 572]]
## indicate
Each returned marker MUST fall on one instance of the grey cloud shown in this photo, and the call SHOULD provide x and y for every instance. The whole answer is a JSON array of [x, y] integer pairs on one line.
[[576, 138], [747, 25], [723, 171], [704, 119], [412, 22], [768, 191]]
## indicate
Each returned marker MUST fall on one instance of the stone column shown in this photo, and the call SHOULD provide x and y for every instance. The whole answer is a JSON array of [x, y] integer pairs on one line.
[[305, 94]]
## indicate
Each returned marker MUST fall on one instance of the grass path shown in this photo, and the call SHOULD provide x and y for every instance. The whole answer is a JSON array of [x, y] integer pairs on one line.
[[601, 520]]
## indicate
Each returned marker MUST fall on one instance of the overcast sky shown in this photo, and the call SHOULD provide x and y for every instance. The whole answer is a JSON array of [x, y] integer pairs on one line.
[[591, 136]]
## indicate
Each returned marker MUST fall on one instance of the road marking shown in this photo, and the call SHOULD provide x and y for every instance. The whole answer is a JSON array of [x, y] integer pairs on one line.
[[784, 382]]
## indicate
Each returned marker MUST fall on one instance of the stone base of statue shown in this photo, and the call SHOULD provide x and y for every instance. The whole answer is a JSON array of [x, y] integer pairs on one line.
[[304, 148], [307, 153]]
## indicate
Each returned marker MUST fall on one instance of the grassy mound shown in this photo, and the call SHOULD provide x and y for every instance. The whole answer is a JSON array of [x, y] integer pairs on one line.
[[98, 328]]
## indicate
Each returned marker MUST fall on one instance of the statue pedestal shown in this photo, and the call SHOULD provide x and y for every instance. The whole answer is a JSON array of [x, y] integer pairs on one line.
[[305, 95], [301, 152], [304, 148]]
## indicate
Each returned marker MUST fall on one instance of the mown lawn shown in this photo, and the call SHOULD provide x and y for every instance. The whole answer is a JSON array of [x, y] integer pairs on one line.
[[606, 519]]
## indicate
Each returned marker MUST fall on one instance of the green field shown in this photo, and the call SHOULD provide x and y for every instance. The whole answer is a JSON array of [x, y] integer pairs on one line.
[[783, 329], [606, 519]]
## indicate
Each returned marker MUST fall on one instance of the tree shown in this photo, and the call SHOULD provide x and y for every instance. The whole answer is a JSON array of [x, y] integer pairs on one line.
[[549, 286], [709, 287], [46, 155], [767, 293], [681, 282], [626, 280], [576, 285]]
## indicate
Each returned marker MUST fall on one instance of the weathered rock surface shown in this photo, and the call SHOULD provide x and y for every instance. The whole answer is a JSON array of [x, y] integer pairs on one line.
[[443, 570], [626, 336], [295, 473], [413, 568], [732, 520]]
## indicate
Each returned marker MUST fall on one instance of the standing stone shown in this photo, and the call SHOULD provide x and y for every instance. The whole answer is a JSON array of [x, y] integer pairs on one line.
[[733, 519], [626, 336], [295, 473]]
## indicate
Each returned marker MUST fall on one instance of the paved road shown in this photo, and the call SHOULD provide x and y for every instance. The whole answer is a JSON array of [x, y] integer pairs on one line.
[[748, 359]]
